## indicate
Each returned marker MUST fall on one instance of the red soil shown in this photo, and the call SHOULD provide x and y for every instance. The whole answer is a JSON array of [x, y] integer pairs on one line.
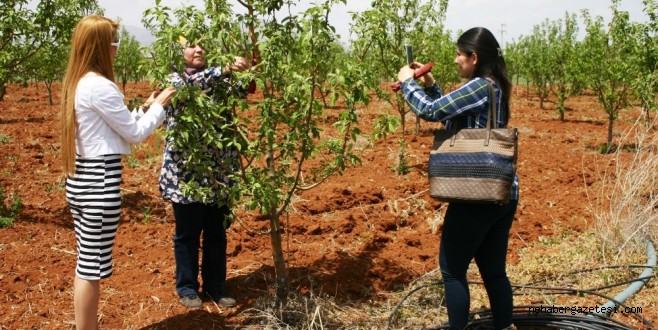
[[354, 238]]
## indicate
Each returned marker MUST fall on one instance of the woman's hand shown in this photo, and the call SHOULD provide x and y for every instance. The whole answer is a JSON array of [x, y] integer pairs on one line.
[[240, 64], [408, 72], [426, 79], [405, 73], [163, 97]]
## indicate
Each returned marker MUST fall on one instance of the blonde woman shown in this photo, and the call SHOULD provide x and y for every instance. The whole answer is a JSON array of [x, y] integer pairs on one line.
[[97, 128]]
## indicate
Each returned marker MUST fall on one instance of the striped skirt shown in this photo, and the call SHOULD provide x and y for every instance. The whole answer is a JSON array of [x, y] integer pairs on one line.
[[94, 199]]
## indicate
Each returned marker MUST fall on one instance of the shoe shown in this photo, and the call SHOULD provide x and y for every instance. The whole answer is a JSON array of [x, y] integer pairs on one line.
[[226, 301], [191, 301], [223, 300]]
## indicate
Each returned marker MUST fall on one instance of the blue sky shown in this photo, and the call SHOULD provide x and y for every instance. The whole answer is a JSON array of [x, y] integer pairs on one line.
[[507, 19]]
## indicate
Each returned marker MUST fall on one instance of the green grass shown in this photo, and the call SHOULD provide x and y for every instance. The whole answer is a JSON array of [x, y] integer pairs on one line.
[[9, 208]]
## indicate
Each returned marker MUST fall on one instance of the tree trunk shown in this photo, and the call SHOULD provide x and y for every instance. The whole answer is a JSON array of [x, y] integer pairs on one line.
[[561, 100], [280, 269], [49, 88], [417, 125], [3, 90], [611, 123], [527, 90]]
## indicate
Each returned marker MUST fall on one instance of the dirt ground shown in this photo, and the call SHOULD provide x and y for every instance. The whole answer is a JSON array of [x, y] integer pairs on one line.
[[356, 238]]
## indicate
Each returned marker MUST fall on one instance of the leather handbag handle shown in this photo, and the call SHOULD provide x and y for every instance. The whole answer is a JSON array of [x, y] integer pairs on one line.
[[493, 111]]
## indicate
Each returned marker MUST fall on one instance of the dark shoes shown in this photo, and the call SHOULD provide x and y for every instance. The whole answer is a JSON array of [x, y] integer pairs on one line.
[[191, 301]]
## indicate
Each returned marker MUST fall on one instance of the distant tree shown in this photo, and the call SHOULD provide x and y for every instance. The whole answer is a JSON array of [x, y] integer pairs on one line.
[[48, 65], [612, 62], [383, 31], [514, 61], [568, 76], [336, 56], [129, 62], [537, 67], [646, 84], [26, 31]]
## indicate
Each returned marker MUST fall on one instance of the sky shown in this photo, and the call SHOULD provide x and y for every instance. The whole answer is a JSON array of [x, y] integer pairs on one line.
[[507, 19]]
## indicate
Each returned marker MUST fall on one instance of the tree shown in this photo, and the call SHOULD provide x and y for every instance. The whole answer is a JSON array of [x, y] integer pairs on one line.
[[129, 62], [25, 32], [514, 61], [568, 76], [280, 134], [612, 62], [48, 65], [537, 67], [383, 31], [646, 84]]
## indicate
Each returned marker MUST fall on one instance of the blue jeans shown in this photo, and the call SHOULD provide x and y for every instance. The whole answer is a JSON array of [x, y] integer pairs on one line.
[[480, 232], [192, 221]]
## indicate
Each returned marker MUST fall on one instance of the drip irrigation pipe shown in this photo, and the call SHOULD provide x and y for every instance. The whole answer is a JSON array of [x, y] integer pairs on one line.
[[521, 318], [590, 292], [591, 270], [638, 283]]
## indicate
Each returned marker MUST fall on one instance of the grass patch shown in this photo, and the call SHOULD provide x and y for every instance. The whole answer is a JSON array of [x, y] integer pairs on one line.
[[10, 207], [4, 139], [624, 200]]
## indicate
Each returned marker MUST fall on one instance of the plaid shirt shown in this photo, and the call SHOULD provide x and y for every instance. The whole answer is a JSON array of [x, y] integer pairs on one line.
[[465, 107]]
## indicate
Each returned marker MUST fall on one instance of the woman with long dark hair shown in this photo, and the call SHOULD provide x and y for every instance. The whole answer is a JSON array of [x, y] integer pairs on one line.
[[471, 231]]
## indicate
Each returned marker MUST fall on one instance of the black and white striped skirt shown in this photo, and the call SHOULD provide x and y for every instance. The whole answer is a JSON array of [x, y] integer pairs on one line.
[[95, 202]]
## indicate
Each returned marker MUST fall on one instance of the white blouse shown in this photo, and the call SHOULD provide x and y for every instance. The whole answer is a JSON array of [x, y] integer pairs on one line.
[[105, 125]]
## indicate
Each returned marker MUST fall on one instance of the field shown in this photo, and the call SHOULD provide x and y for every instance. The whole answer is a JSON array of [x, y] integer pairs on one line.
[[354, 243]]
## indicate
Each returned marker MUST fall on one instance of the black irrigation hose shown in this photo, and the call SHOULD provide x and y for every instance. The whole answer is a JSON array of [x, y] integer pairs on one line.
[[624, 282], [590, 292], [590, 270], [522, 316], [397, 306]]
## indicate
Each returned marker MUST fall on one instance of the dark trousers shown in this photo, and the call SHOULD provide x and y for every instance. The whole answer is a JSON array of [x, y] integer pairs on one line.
[[480, 232], [192, 221]]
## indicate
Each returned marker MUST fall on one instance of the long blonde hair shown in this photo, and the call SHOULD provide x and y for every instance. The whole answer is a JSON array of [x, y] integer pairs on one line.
[[90, 52]]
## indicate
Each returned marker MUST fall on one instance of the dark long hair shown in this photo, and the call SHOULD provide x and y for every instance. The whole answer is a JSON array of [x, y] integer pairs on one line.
[[491, 62]]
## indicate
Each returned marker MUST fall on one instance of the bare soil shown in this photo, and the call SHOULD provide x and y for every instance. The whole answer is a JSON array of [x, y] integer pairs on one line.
[[356, 238]]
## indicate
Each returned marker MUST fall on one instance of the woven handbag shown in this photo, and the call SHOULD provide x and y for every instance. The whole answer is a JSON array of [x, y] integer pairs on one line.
[[474, 165]]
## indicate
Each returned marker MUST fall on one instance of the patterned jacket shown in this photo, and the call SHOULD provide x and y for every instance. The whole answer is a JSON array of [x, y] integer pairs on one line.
[[174, 162]]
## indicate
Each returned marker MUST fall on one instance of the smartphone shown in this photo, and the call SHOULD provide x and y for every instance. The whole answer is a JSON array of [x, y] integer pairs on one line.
[[410, 53]]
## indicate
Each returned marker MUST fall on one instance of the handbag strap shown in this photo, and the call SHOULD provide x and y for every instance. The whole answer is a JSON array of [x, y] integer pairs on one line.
[[492, 114]]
